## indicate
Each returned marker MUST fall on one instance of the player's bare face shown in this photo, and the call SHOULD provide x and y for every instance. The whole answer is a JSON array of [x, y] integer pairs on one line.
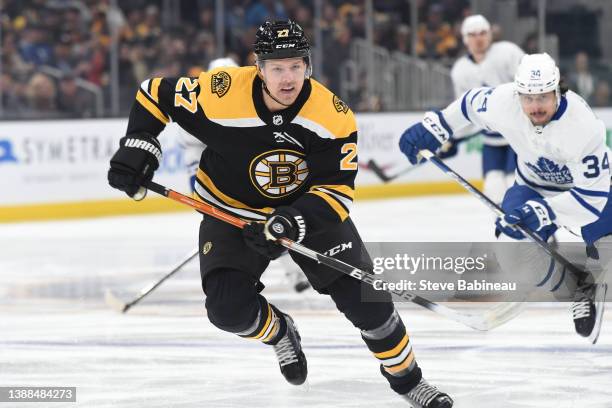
[[540, 108], [284, 79], [478, 43]]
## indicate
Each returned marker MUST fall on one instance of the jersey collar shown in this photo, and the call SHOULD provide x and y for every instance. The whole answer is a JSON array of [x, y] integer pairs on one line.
[[281, 117], [561, 109]]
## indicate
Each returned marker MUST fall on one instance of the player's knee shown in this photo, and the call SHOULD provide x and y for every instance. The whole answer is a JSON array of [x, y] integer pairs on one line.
[[495, 185], [231, 300], [363, 306]]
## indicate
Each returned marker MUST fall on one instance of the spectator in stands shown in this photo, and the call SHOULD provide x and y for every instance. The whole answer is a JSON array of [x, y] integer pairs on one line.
[[261, 10], [63, 56], [35, 47], [601, 96], [352, 16], [530, 46], [136, 63], [581, 80], [202, 50], [11, 58], [370, 103], [435, 38], [73, 101], [206, 22], [403, 39], [41, 95], [336, 52], [6, 90]]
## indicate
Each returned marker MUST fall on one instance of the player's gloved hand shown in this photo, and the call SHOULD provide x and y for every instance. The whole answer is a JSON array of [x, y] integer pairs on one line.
[[134, 163], [430, 134], [535, 215], [284, 222], [417, 138]]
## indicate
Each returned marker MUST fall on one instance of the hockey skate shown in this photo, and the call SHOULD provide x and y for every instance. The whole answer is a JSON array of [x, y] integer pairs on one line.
[[291, 358], [425, 395], [587, 310]]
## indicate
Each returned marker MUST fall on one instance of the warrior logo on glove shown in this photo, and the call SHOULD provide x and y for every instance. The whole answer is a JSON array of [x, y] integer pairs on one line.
[[133, 165]]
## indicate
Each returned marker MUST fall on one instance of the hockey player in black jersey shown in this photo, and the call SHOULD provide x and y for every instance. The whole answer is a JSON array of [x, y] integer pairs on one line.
[[282, 154]]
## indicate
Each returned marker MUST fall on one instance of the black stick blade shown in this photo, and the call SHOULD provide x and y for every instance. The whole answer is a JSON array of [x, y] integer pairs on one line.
[[378, 171]]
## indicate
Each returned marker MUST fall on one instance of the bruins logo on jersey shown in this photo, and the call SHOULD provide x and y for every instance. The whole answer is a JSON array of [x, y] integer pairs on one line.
[[278, 173], [340, 105], [220, 83]]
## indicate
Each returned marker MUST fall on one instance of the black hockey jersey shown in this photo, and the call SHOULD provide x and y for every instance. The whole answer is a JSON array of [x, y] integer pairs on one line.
[[304, 156]]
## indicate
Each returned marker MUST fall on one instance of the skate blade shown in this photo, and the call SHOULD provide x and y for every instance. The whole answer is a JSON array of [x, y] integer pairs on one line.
[[600, 302]]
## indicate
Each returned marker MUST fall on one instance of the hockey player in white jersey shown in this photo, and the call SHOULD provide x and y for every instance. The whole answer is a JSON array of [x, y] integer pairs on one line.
[[487, 63], [563, 169]]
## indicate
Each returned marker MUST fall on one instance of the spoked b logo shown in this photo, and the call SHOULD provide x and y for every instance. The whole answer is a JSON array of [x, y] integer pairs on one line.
[[278, 173]]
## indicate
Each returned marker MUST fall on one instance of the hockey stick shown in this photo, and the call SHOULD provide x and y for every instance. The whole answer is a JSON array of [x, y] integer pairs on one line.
[[580, 274], [487, 321], [380, 172], [121, 306]]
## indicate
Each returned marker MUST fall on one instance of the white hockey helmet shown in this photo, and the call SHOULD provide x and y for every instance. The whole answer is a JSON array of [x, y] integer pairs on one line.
[[536, 74], [474, 24], [222, 62]]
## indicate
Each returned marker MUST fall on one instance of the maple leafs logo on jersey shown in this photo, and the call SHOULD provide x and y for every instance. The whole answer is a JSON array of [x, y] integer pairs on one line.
[[340, 105], [220, 83], [550, 171]]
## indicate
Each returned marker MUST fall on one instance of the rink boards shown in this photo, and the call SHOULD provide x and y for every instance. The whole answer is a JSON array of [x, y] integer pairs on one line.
[[57, 169]]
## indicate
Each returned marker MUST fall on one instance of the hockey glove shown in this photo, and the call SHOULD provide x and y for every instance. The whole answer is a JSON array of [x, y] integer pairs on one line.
[[134, 163], [430, 134], [284, 222], [535, 215]]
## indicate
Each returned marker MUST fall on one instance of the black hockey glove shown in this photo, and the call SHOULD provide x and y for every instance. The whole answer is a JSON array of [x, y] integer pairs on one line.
[[134, 163], [284, 222]]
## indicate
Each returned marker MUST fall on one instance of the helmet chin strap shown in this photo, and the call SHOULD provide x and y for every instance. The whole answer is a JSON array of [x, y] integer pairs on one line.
[[266, 90]]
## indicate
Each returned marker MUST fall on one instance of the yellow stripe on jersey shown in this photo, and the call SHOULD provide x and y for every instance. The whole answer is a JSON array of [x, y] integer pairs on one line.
[[150, 106], [335, 205], [320, 114], [236, 100], [339, 188], [155, 89], [395, 350], [208, 183]]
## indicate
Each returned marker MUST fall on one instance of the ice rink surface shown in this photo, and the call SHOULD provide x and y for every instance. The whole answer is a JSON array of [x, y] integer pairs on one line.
[[56, 330]]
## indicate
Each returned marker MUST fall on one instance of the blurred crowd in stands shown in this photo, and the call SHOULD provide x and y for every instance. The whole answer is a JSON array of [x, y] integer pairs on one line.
[[55, 52]]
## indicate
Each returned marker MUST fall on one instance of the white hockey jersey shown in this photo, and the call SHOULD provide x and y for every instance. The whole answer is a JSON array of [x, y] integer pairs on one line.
[[498, 67], [566, 161]]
